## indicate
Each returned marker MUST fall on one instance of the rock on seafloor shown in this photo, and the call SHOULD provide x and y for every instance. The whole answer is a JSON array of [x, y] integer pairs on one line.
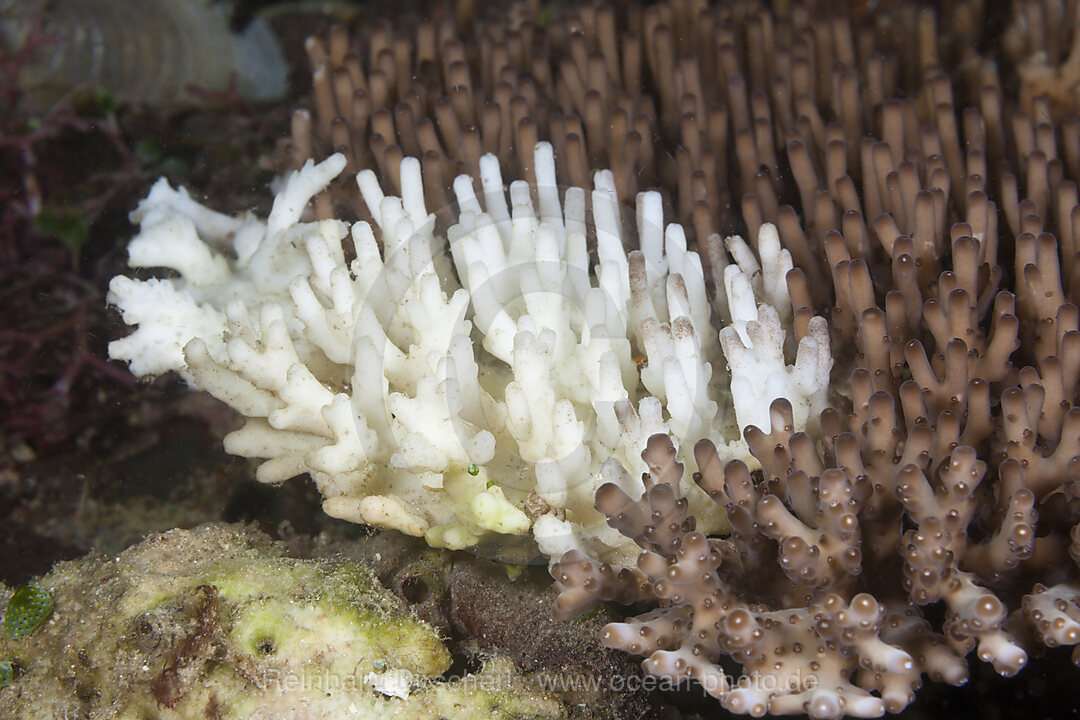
[[216, 622]]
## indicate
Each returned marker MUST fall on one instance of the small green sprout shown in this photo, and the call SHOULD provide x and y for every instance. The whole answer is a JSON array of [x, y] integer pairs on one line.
[[66, 227], [547, 14], [28, 608], [473, 470], [148, 151], [582, 618], [105, 102]]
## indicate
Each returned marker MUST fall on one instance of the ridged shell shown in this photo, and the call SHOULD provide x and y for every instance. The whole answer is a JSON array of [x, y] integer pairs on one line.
[[148, 51]]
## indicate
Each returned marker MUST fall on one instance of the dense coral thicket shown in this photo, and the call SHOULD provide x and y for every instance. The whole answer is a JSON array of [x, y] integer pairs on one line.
[[825, 590], [943, 235], [701, 99]]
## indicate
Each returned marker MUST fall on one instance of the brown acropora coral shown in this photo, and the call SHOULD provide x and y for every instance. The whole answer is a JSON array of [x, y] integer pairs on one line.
[[818, 591], [949, 475], [931, 211]]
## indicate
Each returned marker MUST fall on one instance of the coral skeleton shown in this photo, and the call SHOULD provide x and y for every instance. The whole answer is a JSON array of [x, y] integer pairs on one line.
[[482, 383]]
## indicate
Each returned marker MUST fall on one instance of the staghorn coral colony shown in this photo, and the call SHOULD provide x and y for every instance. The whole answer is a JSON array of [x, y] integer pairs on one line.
[[847, 375]]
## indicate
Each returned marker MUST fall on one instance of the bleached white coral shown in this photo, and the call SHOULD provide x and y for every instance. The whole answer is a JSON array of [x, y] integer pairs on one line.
[[482, 383]]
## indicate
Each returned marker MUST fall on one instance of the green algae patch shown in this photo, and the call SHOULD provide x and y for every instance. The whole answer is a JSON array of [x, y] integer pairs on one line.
[[217, 622], [360, 639], [28, 608]]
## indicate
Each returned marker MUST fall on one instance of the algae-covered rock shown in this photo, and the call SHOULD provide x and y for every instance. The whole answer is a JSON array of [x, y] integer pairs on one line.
[[216, 623]]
